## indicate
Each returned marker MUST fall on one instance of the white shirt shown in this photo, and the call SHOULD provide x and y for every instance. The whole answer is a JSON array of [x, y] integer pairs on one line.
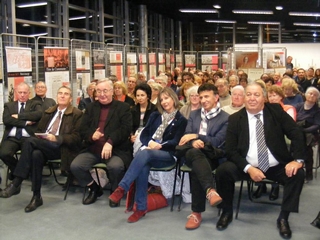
[[54, 118], [13, 131], [252, 155]]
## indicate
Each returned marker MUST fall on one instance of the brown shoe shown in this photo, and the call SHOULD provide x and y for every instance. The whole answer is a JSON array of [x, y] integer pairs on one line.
[[136, 216], [213, 197], [194, 221]]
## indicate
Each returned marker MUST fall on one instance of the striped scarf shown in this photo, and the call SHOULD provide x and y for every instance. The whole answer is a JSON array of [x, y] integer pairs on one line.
[[205, 117]]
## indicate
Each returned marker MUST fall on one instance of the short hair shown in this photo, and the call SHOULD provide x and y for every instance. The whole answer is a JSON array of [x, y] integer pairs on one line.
[[264, 91], [187, 74], [208, 87], [143, 87], [289, 83], [198, 79], [122, 86], [313, 89], [261, 83], [193, 89], [169, 92], [91, 84], [219, 74], [113, 78], [235, 78], [66, 87], [238, 87], [155, 86], [41, 82], [276, 89], [184, 86], [103, 80], [23, 84], [162, 78], [225, 81]]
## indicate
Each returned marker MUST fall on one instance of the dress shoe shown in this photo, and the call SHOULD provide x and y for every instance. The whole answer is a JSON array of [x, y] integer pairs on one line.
[[10, 175], [113, 204], [93, 195], [316, 222], [34, 204], [10, 190], [116, 196], [274, 194], [194, 221], [136, 216], [262, 188], [224, 221], [284, 228], [213, 197]]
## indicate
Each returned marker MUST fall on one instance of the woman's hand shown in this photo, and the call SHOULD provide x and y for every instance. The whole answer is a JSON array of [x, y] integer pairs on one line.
[[154, 145], [133, 138]]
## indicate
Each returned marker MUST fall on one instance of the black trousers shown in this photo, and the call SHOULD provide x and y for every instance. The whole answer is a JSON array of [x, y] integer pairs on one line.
[[228, 173], [8, 148], [34, 154], [200, 176]]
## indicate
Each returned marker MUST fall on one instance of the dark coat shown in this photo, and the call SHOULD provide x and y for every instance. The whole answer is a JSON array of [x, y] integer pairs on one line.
[[117, 127], [277, 123], [84, 102], [32, 112], [48, 102], [129, 100], [69, 133], [136, 115]]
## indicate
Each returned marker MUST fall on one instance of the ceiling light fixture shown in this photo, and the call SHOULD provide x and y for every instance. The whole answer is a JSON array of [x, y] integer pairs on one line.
[[252, 12], [306, 24], [36, 4], [304, 14], [264, 23], [198, 10], [279, 8], [221, 21], [217, 6]]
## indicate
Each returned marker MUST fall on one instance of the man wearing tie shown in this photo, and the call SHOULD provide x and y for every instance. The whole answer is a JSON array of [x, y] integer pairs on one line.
[[60, 138], [256, 149], [20, 119]]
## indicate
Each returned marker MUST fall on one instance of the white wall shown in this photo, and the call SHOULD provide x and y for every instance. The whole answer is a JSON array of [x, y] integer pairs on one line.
[[304, 55]]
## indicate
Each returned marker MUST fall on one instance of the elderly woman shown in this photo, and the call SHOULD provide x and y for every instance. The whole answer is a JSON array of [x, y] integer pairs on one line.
[[121, 93], [183, 92], [159, 138], [291, 92], [237, 100], [308, 117], [155, 88], [233, 81], [193, 102]]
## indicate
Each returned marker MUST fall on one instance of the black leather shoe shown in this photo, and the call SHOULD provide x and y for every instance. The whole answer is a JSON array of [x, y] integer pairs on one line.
[[224, 221], [274, 194], [34, 204], [316, 222], [284, 228], [10, 190], [113, 204], [93, 195], [262, 188]]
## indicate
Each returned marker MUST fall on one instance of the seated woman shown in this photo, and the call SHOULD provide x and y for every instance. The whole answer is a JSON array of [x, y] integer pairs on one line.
[[121, 93], [155, 88], [159, 137], [193, 102], [291, 92], [308, 117]]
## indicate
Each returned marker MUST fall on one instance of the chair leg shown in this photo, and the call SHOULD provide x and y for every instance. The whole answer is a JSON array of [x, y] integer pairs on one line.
[[239, 199], [97, 174], [181, 188], [174, 187], [54, 174], [250, 189], [69, 180], [7, 177]]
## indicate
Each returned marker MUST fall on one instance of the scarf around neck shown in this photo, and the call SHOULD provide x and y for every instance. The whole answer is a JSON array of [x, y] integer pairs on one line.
[[166, 117], [205, 117]]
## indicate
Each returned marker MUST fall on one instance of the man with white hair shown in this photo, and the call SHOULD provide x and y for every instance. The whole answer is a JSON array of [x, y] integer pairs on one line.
[[237, 100], [223, 89], [162, 80]]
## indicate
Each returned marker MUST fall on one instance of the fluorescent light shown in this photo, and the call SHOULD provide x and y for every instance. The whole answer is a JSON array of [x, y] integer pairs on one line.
[[38, 34], [77, 18], [279, 8], [266, 23], [198, 10], [220, 21], [239, 28], [108, 26], [217, 6], [304, 14], [36, 4], [25, 25], [307, 24], [252, 12]]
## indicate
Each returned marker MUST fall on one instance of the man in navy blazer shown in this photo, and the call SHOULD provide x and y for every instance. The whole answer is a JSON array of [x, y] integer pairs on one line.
[[206, 131], [242, 152]]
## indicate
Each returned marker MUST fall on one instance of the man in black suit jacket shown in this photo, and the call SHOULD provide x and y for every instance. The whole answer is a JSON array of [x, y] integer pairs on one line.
[[242, 152], [105, 129], [19, 125], [41, 91]]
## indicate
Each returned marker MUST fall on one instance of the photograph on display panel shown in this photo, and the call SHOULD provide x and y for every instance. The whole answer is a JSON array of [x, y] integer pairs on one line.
[[99, 64], [246, 59], [56, 59], [18, 59]]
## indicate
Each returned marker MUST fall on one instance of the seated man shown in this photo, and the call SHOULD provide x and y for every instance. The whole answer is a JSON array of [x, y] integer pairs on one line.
[[256, 149], [85, 101], [41, 91], [20, 120], [60, 139], [105, 128], [206, 129]]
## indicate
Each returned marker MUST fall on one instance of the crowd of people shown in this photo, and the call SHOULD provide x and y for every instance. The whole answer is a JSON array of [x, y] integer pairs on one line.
[[244, 129]]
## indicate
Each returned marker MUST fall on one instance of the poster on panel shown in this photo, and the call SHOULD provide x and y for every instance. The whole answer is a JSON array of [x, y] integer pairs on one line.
[[117, 70], [209, 62], [82, 72], [116, 57], [246, 59], [152, 65], [99, 64], [143, 63], [274, 58], [179, 61], [189, 60]]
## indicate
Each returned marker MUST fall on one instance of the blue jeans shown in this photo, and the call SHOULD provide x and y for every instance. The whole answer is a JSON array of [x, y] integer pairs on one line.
[[139, 171]]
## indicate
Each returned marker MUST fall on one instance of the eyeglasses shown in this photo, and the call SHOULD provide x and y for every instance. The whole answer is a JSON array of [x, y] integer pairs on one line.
[[105, 91], [40, 87], [194, 96]]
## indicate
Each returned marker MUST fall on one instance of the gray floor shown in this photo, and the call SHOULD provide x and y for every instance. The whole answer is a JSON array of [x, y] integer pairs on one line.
[[58, 219]]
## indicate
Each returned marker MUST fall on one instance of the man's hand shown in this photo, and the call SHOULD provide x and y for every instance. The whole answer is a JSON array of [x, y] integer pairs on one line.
[[133, 138], [154, 145], [198, 144], [292, 168], [14, 116], [256, 174], [106, 151], [97, 135], [186, 138], [30, 123], [50, 137]]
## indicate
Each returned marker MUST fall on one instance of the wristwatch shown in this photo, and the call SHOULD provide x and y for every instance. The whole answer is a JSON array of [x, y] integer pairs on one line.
[[299, 161]]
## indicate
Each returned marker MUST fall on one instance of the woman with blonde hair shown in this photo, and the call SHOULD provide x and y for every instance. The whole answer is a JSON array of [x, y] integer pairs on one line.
[[193, 102], [155, 88], [291, 92], [121, 93]]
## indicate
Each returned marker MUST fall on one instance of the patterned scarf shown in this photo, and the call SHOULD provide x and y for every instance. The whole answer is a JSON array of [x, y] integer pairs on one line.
[[157, 136], [205, 117]]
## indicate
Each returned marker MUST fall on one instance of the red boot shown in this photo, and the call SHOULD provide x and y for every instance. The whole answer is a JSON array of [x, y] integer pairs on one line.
[[116, 196], [136, 216]]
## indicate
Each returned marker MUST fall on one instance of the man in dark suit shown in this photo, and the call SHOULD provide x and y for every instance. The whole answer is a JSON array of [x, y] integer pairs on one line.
[[105, 128], [256, 149], [60, 139], [20, 119], [41, 91], [85, 101]]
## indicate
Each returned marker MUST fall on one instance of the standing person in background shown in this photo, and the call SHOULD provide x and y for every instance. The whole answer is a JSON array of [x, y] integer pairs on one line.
[[41, 91], [85, 101]]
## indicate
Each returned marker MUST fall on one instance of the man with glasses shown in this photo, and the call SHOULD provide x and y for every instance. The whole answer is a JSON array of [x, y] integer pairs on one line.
[[105, 129], [57, 137], [41, 91]]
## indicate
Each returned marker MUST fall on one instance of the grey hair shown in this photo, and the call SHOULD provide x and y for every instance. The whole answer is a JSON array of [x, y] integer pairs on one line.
[[107, 80], [313, 89]]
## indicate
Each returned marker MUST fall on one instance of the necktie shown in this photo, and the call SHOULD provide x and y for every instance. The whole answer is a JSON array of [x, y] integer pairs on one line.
[[55, 125], [263, 161], [19, 130]]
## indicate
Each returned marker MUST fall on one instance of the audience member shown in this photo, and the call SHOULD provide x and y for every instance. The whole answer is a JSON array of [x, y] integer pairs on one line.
[[223, 89], [155, 88], [237, 100], [85, 101], [291, 92], [131, 84], [193, 102], [121, 93], [41, 91], [302, 81]]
